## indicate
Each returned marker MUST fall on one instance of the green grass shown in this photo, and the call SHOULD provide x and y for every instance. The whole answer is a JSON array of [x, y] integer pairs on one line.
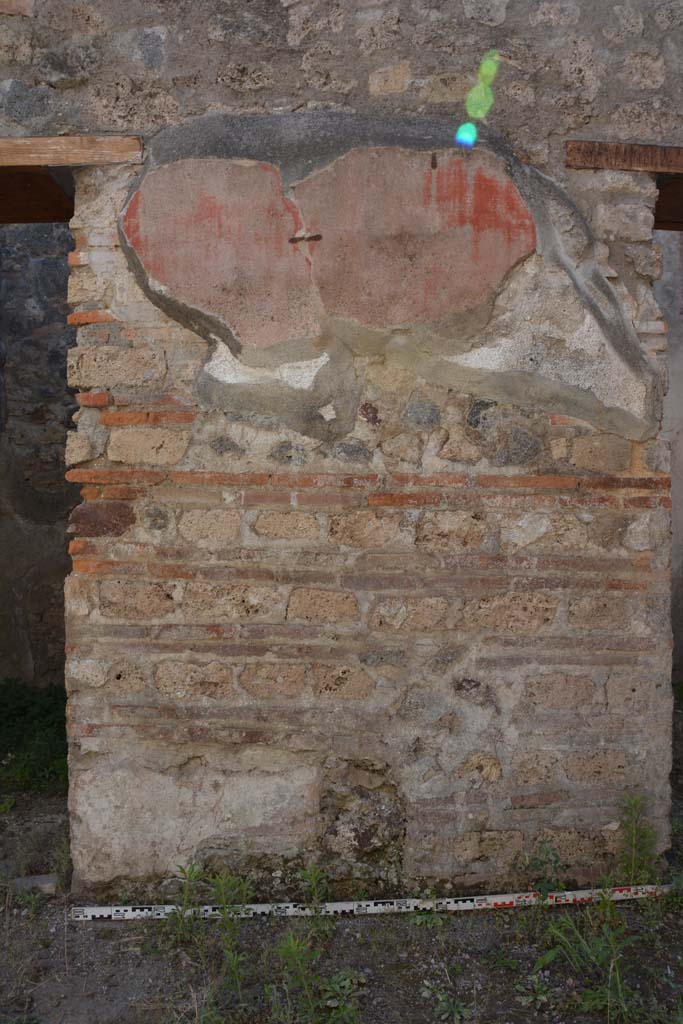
[[32, 738]]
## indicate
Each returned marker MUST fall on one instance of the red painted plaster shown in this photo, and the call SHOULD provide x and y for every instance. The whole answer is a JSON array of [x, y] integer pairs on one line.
[[405, 238]]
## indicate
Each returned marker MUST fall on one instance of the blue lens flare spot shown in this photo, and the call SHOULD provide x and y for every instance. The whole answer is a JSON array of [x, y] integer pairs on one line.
[[466, 135]]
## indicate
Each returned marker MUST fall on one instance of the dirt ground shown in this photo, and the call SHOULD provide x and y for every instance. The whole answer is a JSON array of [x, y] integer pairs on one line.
[[476, 967]]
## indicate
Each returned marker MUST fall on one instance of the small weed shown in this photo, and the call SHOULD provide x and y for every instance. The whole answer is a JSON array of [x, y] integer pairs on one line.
[[7, 804], [534, 993], [315, 884], [29, 900], [426, 918], [182, 921], [593, 944], [637, 857], [544, 867], [501, 961]]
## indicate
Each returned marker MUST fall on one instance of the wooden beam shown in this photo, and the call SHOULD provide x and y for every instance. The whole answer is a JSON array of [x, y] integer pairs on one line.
[[623, 156], [70, 150], [31, 195]]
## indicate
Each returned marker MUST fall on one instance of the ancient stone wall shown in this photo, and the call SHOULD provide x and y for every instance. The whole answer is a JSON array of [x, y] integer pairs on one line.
[[36, 405], [372, 564], [373, 561]]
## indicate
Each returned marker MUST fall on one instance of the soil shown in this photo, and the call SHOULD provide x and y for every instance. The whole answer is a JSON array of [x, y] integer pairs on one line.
[[419, 968]]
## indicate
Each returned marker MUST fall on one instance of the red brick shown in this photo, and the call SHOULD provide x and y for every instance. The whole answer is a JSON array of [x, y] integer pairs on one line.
[[264, 497], [115, 476], [91, 492], [329, 499], [78, 258], [90, 316], [93, 399], [131, 418], [170, 571], [79, 547], [554, 482], [431, 480], [100, 567], [219, 479], [294, 481], [411, 499], [122, 492], [101, 519]]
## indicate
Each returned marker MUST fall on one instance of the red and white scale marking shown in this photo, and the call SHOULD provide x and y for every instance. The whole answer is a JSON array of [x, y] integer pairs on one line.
[[362, 908]]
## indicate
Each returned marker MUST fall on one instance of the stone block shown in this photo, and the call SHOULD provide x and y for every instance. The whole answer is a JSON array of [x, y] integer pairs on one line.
[[149, 445], [292, 526], [596, 767], [342, 681], [370, 530], [266, 679], [183, 680], [451, 531], [534, 767], [216, 602], [559, 692], [411, 614], [101, 519], [309, 604], [390, 80], [211, 529], [602, 453], [629, 222], [599, 611], [131, 599], [511, 613], [106, 366]]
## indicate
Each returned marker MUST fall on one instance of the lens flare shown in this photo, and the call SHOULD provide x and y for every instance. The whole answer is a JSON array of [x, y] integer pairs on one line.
[[466, 135], [488, 69], [479, 101]]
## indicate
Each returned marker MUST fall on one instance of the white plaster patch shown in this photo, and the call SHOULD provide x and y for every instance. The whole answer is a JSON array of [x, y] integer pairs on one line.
[[223, 366], [580, 359]]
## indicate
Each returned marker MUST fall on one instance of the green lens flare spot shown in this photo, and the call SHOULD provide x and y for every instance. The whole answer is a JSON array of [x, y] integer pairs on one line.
[[479, 101], [466, 135], [488, 69]]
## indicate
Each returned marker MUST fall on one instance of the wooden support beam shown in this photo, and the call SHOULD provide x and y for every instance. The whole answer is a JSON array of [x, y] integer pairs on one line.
[[31, 195], [623, 156], [70, 150]]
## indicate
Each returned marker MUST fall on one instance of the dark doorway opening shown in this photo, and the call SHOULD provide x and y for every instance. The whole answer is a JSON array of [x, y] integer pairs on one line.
[[36, 406]]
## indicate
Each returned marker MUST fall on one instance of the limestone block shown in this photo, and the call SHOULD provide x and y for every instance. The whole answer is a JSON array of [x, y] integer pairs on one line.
[[511, 613], [602, 453], [266, 680], [603, 766], [389, 80], [312, 605], [106, 366], [216, 602], [410, 614], [211, 529], [131, 599], [346, 682], [451, 531], [294, 526], [152, 445], [370, 530], [182, 680]]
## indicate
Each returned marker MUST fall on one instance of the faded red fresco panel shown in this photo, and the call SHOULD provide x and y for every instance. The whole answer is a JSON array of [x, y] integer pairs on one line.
[[408, 237], [215, 235]]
